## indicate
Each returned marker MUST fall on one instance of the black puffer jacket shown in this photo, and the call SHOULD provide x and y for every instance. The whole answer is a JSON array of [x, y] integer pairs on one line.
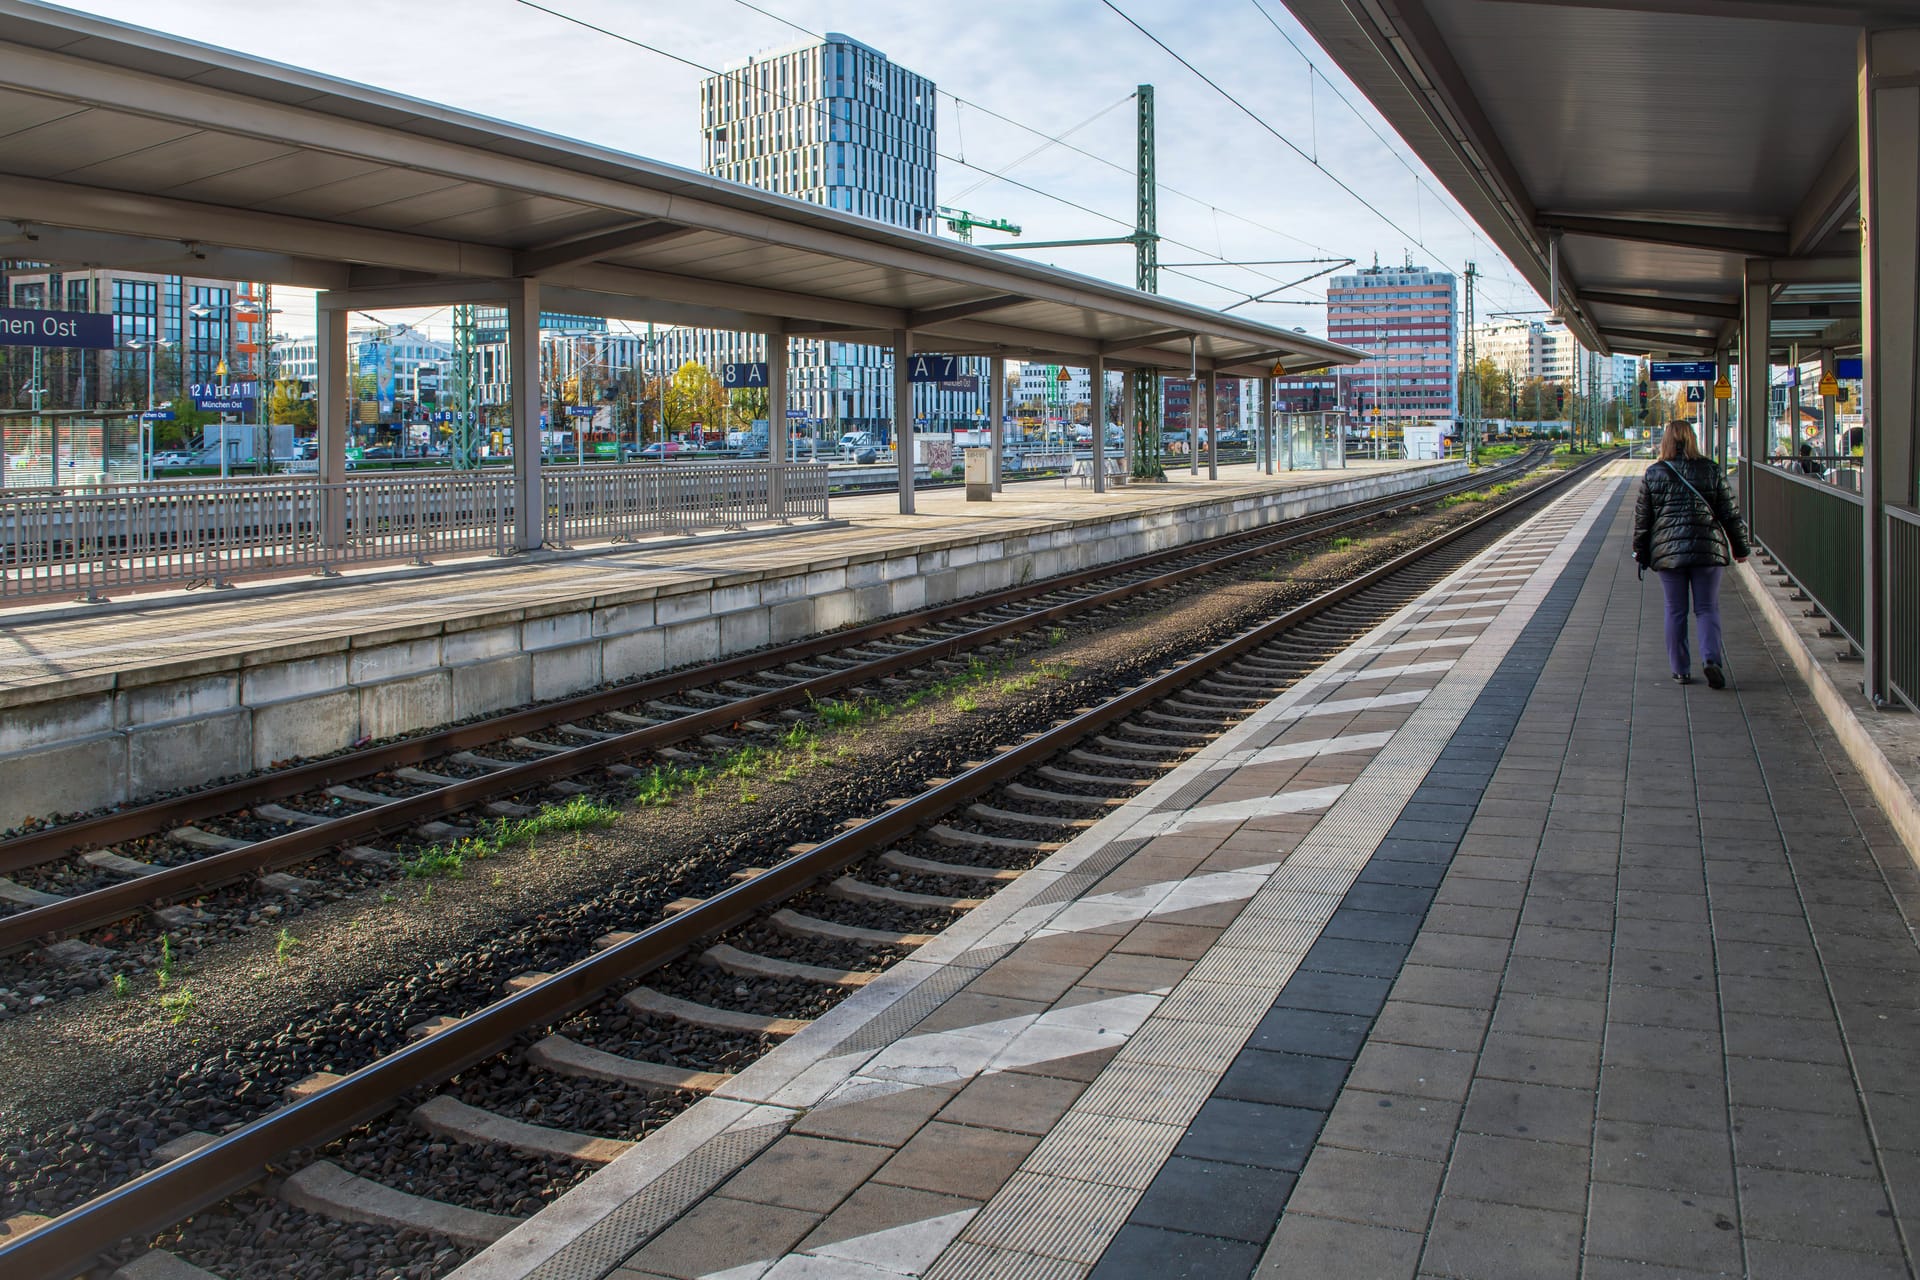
[[1675, 529]]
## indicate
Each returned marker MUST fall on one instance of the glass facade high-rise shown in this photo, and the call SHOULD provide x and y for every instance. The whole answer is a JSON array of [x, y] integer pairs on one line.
[[835, 123]]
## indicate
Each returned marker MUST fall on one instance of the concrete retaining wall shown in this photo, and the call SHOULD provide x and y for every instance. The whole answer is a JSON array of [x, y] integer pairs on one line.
[[126, 736]]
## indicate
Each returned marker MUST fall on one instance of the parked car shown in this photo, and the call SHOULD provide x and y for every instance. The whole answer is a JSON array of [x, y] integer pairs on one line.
[[173, 458], [378, 451], [664, 449]]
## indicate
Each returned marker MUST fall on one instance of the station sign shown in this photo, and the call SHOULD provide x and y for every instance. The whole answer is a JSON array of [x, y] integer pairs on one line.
[[224, 397], [1851, 368], [1696, 395], [970, 385], [796, 413], [30, 327], [157, 415], [933, 368], [1682, 370], [735, 377], [580, 411]]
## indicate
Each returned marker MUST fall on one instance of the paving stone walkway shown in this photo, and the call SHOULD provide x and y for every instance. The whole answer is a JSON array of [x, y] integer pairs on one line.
[[1661, 1019]]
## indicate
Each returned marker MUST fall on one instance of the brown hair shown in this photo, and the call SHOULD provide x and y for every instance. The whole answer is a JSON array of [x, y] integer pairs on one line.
[[1677, 441]]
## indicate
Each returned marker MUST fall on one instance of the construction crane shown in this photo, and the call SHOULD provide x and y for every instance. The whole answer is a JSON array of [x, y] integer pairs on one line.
[[962, 223]]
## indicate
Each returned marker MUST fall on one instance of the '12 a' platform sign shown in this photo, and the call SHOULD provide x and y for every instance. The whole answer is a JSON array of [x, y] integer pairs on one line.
[[933, 368]]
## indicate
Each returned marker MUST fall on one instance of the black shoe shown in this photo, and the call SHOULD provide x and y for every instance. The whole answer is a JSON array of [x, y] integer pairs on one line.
[[1716, 678], [1679, 678]]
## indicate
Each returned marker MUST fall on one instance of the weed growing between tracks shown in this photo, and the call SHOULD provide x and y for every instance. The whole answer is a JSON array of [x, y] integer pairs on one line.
[[576, 814]]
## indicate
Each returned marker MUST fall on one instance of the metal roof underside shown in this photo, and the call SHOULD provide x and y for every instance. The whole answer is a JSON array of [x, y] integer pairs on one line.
[[129, 148], [1665, 142]]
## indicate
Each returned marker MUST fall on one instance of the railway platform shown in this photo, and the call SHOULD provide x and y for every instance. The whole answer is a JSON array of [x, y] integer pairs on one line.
[[1484, 951], [107, 703]]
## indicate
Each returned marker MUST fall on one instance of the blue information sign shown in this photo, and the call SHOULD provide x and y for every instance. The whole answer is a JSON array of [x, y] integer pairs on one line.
[[796, 413], [1696, 395], [1850, 368], [736, 376], [933, 368], [27, 327], [580, 411], [157, 415], [1683, 370]]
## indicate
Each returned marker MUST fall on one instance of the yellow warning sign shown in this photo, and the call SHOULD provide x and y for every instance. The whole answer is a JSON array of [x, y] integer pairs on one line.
[[1829, 385], [1723, 390]]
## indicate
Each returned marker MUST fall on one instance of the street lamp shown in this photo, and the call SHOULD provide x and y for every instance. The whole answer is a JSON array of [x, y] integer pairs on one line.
[[148, 345]]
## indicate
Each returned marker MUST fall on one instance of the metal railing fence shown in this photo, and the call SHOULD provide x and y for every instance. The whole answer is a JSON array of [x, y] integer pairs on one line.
[[88, 541], [1815, 531], [1903, 605]]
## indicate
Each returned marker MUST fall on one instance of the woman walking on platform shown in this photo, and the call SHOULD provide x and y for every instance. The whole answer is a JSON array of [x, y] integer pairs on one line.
[[1686, 529]]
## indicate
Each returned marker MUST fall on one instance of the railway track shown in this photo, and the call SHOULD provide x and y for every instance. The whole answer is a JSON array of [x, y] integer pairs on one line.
[[730, 974], [60, 881]]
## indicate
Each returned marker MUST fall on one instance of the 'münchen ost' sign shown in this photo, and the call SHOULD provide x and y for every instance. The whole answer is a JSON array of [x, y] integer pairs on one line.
[[25, 327]]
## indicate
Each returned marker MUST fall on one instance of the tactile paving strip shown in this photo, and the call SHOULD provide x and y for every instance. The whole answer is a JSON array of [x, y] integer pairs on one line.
[[611, 1241]]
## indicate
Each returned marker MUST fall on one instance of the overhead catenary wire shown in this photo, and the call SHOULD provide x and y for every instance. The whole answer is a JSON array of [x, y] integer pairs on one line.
[[820, 110]]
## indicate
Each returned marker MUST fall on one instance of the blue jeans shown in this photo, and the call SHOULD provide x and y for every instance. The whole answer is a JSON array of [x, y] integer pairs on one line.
[[1703, 584]]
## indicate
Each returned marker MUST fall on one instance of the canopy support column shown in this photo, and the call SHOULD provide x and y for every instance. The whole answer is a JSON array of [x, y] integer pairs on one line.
[[1889, 64], [1267, 439], [1129, 388], [1097, 418], [523, 393], [1756, 380], [330, 393], [996, 414], [1213, 425], [777, 432], [903, 416]]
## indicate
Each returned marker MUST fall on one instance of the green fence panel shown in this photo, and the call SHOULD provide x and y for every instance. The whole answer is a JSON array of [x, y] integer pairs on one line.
[[1816, 533], [1903, 605]]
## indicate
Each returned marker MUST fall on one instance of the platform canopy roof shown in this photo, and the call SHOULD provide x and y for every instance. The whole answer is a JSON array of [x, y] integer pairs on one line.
[[1663, 142], [128, 148]]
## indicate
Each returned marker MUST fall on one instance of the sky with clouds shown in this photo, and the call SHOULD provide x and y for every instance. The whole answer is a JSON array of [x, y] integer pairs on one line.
[[1231, 188]]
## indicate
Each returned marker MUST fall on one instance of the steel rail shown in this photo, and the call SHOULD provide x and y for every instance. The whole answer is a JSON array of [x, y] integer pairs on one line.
[[36, 847], [166, 1194], [104, 906]]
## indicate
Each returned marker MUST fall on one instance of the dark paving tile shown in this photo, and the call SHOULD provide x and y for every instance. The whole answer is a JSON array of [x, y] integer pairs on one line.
[[1463, 988], [1153, 1253], [1555, 1016], [1310, 1031], [1334, 992], [1663, 1048], [1347, 955], [1283, 1079], [1251, 1133], [1756, 1035], [1372, 926], [1233, 1201], [1434, 1026]]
